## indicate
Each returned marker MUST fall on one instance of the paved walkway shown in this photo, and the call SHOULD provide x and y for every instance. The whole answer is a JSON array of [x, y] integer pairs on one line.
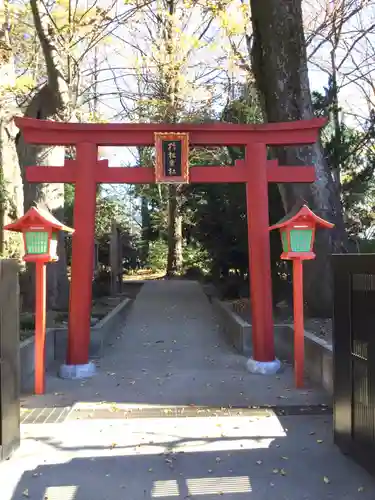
[[170, 352]]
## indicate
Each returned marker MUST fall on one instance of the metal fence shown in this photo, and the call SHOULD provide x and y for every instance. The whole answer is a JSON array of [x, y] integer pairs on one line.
[[354, 356]]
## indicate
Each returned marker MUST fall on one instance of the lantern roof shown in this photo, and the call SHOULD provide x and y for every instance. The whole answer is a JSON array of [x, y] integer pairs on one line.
[[301, 213], [37, 216]]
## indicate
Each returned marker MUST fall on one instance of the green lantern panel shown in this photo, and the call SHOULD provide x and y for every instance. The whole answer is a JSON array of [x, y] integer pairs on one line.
[[284, 241], [36, 242], [300, 240]]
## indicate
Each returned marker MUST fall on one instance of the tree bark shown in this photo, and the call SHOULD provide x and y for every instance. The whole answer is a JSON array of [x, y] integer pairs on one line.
[[51, 196], [280, 68], [11, 189], [169, 77], [145, 214], [52, 102], [174, 264]]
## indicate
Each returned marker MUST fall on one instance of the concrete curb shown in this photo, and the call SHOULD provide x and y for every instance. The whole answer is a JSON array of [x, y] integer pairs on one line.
[[318, 352], [56, 343], [101, 332], [237, 331]]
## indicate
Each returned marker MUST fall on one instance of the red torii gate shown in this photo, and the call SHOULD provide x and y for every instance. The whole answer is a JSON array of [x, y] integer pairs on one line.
[[86, 171]]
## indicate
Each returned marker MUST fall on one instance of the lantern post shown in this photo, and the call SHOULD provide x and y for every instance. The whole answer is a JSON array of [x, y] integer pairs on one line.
[[40, 235], [297, 231]]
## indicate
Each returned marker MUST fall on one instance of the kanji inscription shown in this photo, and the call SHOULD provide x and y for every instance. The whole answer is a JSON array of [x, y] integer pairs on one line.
[[172, 153]]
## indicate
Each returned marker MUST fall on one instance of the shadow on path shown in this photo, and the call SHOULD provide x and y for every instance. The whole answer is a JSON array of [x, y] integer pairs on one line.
[[280, 459]]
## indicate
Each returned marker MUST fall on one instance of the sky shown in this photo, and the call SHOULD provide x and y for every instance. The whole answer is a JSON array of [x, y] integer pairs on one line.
[[355, 53]]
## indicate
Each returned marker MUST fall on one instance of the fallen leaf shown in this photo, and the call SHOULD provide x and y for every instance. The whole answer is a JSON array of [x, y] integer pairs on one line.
[[26, 494], [326, 479], [360, 489], [209, 471], [218, 459], [259, 462], [150, 469], [275, 471], [283, 472], [284, 458], [319, 441]]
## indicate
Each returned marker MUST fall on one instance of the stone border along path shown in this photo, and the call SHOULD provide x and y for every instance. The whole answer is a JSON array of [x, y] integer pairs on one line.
[[170, 353]]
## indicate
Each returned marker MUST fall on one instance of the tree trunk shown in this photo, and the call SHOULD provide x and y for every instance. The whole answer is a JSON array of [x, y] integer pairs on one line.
[[280, 67], [174, 264], [11, 190], [49, 195], [145, 214], [52, 102], [170, 78]]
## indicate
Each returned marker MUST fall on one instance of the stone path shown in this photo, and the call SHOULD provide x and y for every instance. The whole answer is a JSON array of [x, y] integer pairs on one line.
[[169, 353]]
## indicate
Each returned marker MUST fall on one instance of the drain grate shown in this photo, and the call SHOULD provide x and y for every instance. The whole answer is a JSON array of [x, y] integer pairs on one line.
[[44, 415], [111, 412]]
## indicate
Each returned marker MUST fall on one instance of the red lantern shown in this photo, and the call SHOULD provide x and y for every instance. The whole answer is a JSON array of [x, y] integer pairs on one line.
[[297, 230], [40, 235]]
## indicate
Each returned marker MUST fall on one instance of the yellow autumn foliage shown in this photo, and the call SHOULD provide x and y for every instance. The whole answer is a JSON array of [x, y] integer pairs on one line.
[[21, 85]]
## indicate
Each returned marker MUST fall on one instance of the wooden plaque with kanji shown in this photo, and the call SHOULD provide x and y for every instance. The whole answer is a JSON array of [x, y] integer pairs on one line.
[[172, 158]]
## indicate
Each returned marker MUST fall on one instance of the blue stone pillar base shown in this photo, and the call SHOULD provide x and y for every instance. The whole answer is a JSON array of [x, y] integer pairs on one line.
[[263, 367], [77, 371]]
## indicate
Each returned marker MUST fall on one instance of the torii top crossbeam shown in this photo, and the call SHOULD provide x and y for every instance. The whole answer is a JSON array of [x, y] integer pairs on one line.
[[142, 134], [125, 134]]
